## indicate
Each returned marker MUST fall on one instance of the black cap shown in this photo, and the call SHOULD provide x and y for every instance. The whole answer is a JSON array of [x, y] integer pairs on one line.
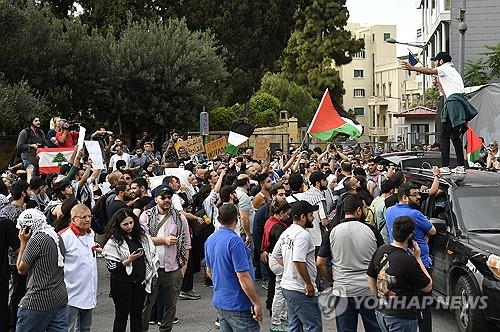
[[163, 190], [302, 207], [445, 56], [317, 176]]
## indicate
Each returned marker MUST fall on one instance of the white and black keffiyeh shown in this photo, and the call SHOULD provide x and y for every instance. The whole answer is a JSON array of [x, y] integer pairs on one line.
[[37, 221]]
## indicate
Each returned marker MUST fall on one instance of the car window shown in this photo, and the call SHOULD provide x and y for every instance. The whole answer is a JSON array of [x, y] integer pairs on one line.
[[478, 208]]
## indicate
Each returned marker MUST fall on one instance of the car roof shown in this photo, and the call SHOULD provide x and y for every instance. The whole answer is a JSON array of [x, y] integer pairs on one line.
[[473, 178]]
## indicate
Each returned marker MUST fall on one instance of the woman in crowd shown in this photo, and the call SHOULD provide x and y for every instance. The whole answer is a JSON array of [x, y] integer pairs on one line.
[[131, 258]]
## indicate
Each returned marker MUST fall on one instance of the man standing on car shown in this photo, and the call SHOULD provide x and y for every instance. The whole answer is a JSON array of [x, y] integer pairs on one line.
[[408, 195], [394, 276]]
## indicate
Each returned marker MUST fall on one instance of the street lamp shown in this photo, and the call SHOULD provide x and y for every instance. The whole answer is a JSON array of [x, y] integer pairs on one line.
[[424, 49]]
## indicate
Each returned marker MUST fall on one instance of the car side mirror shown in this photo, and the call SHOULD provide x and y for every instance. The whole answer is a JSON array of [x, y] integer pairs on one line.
[[439, 224]]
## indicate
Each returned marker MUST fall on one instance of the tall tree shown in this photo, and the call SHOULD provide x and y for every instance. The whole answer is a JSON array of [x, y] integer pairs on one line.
[[318, 44]]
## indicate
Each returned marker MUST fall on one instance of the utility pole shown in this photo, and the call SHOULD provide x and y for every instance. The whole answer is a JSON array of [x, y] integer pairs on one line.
[[462, 28]]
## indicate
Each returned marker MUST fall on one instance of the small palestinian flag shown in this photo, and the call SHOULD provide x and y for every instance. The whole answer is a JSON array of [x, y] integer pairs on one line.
[[240, 133], [51, 159], [331, 120], [474, 146]]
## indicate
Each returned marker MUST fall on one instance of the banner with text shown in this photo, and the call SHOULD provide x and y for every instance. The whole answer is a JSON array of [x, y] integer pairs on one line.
[[190, 147], [260, 149], [216, 148]]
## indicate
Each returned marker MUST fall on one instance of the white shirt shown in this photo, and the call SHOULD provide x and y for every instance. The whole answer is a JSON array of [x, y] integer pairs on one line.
[[114, 158], [450, 79], [80, 269], [295, 245]]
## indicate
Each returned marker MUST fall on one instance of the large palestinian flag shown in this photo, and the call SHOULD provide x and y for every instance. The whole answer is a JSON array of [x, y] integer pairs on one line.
[[51, 159], [240, 133], [331, 120]]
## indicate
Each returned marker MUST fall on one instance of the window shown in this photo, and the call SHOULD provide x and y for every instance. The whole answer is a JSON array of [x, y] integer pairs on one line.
[[358, 73], [359, 55], [359, 111], [387, 35], [359, 92], [373, 37]]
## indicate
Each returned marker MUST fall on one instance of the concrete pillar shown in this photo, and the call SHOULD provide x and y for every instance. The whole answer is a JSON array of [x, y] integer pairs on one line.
[[443, 37], [293, 129]]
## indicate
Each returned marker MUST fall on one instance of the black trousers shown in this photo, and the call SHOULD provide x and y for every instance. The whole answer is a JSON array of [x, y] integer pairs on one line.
[[4, 305], [455, 135], [188, 280], [18, 292], [129, 300]]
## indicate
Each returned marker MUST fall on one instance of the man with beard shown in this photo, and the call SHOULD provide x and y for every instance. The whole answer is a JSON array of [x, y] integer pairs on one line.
[[409, 196], [170, 157], [122, 191], [29, 140], [350, 246], [373, 177], [295, 251], [315, 197], [352, 186]]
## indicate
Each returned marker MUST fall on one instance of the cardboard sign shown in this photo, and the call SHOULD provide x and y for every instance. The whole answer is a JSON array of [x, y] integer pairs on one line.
[[260, 149], [190, 147], [215, 148]]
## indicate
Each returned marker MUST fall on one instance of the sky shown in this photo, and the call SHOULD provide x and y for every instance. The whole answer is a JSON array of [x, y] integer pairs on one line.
[[402, 13]]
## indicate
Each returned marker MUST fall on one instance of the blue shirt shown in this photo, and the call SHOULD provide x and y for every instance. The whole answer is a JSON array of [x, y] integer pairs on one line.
[[422, 226], [226, 254]]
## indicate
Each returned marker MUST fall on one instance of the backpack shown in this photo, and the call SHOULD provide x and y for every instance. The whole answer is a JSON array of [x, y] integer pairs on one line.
[[99, 213]]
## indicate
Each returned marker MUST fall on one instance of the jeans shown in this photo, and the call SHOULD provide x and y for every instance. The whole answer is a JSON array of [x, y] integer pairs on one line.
[[79, 320], [304, 313], [347, 321], [279, 314], [455, 134], [42, 321], [237, 321], [18, 292], [128, 298], [171, 283], [395, 324]]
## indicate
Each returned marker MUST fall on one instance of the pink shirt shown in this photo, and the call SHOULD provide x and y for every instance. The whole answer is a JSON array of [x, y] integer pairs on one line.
[[168, 254]]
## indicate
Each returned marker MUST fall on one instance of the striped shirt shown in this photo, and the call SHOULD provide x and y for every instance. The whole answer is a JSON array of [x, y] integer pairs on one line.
[[46, 289], [315, 197]]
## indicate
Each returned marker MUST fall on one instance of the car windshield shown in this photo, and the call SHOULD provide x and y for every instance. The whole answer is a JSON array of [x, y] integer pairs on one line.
[[479, 208]]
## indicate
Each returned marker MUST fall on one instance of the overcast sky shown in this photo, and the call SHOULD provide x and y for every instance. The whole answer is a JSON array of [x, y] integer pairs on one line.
[[402, 13]]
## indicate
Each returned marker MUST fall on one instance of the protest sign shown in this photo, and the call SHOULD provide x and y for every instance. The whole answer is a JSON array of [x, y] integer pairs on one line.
[[190, 147], [95, 154], [215, 148], [81, 137], [260, 149]]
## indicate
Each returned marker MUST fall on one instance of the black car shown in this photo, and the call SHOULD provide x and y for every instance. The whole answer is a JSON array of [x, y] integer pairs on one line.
[[466, 249]]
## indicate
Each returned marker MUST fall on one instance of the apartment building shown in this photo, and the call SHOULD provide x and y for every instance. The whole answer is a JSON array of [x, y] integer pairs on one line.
[[359, 78]]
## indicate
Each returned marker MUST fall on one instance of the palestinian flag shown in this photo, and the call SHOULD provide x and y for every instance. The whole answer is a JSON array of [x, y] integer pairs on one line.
[[331, 120], [474, 146], [240, 133], [51, 159]]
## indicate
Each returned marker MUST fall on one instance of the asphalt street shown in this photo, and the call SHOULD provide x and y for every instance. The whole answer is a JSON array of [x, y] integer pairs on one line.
[[199, 315]]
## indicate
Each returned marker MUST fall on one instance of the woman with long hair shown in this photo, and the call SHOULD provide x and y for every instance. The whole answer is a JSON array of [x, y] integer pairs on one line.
[[132, 261]]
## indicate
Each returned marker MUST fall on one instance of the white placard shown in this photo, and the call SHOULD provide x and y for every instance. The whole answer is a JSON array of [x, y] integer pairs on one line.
[[81, 137], [95, 154]]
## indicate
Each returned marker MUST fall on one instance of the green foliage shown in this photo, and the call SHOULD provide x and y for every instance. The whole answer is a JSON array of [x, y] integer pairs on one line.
[[431, 99], [493, 60], [475, 73], [221, 118], [294, 98], [319, 43], [17, 103], [264, 110]]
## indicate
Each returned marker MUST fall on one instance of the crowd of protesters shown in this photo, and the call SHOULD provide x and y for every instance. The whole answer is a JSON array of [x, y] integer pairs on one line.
[[302, 222]]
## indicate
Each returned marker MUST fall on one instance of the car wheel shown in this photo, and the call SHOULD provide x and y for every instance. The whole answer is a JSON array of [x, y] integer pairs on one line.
[[468, 319]]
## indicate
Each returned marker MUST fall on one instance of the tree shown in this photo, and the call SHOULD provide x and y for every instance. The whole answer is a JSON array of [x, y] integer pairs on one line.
[[294, 98], [221, 118], [17, 103], [59, 159], [475, 73], [318, 44], [264, 110]]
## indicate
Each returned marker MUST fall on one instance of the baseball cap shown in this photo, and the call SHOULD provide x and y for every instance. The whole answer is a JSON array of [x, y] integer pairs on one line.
[[445, 56], [302, 207], [163, 190], [317, 176]]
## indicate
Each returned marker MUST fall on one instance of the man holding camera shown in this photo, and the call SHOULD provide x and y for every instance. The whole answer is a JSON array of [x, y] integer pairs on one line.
[[394, 276], [66, 138]]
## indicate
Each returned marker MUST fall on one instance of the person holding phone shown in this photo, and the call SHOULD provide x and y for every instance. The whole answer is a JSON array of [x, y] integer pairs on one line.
[[132, 260]]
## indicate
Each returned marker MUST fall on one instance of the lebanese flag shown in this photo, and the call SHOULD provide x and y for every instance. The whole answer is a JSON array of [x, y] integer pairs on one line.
[[474, 145], [51, 159], [331, 120]]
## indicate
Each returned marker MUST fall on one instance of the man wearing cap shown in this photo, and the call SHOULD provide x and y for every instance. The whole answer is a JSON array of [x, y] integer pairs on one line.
[[80, 261], [295, 250], [41, 257], [457, 110], [315, 197], [169, 232]]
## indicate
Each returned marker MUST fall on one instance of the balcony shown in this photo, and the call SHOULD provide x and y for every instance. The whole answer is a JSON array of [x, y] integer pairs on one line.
[[378, 131], [374, 101]]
